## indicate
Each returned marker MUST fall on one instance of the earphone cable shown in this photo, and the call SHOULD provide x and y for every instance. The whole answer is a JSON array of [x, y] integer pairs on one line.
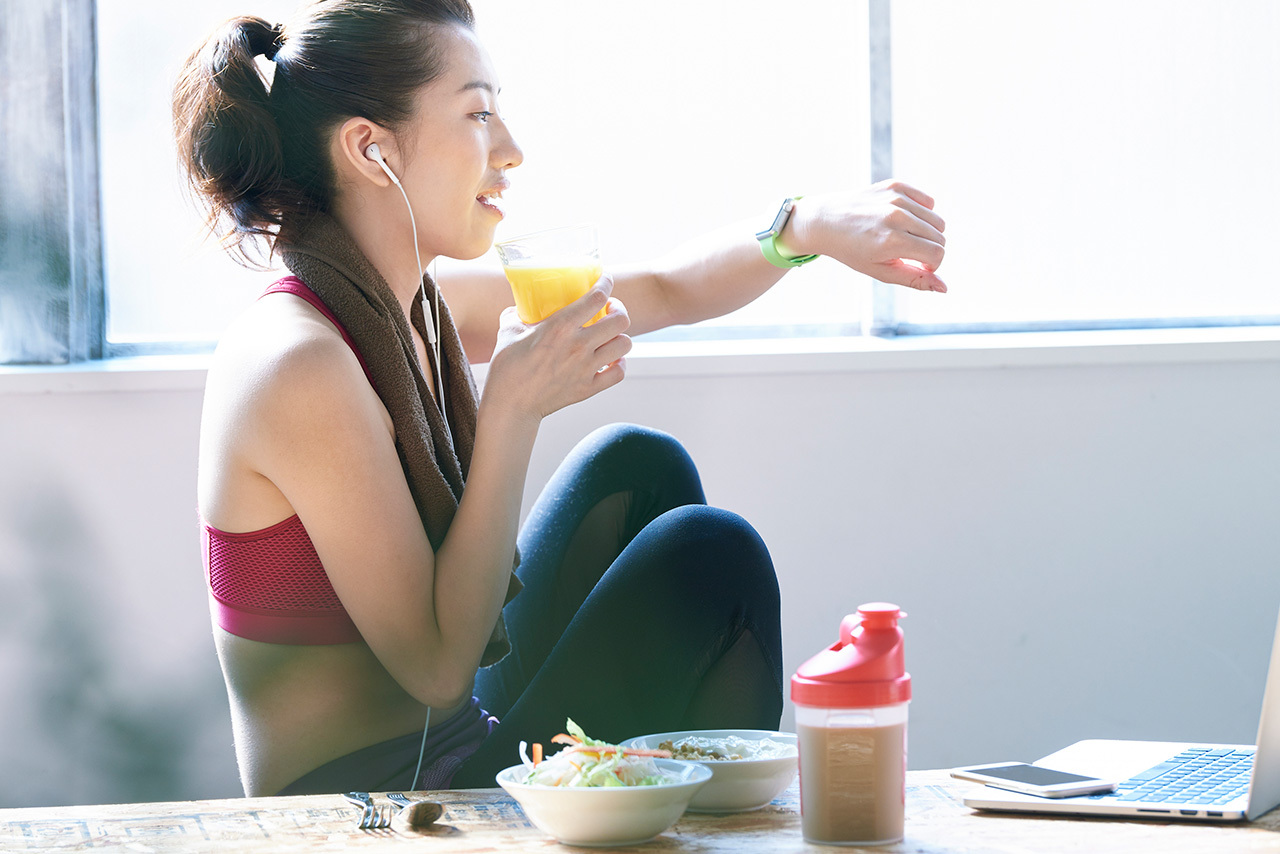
[[422, 751], [433, 326], [433, 334]]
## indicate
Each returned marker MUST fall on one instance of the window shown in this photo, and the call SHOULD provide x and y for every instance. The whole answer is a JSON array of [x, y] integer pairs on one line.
[[658, 127], [664, 121], [1102, 163], [168, 284], [1099, 164]]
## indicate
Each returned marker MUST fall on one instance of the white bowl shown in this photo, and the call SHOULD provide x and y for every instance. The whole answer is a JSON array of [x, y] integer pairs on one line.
[[603, 816], [737, 785]]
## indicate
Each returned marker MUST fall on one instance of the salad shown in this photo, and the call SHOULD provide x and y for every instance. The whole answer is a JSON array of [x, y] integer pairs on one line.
[[589, 762]]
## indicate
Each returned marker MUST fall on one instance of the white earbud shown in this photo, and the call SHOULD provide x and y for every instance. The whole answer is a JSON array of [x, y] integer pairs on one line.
[[375, 154]]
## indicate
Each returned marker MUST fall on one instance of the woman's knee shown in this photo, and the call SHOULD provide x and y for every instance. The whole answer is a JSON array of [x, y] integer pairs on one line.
[[643, 450], [711, 546]]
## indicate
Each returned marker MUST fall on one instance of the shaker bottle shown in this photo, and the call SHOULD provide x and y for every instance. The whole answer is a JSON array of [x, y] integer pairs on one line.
[[851, 719]]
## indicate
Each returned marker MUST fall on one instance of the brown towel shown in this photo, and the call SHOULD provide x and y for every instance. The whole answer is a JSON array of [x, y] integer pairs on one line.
[[435, 460]]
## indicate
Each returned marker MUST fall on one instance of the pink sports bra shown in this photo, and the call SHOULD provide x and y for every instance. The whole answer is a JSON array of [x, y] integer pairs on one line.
[[269, 585]]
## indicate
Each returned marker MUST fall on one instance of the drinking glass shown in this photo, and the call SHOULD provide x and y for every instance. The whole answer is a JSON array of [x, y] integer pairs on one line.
[[550, 269]]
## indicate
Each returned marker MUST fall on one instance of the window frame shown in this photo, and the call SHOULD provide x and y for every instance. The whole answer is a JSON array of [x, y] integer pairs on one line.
[[87, 288]]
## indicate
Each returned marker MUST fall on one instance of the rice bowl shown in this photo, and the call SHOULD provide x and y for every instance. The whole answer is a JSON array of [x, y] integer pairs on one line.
[[736, 785]]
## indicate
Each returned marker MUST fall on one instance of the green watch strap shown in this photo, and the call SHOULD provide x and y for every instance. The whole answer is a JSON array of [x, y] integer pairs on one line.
[[770, 251], [768, 240]]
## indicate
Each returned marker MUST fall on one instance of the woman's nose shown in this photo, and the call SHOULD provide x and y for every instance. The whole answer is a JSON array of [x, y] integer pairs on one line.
[[507, 154]]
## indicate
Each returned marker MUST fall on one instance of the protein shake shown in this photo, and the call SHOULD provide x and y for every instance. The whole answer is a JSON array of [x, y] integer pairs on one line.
[[851, 722]]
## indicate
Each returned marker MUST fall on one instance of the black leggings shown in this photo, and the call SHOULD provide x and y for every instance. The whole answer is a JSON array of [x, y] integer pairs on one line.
[[643, 610]]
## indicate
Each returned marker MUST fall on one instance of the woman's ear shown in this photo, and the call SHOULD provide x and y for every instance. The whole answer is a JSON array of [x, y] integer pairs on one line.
[[353, 140]]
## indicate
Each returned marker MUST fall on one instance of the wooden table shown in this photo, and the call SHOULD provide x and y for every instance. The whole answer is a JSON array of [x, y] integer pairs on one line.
[[487, 820]]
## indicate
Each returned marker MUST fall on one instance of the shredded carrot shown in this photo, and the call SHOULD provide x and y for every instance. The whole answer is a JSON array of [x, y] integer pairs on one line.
[[561, 738], [537, 754]]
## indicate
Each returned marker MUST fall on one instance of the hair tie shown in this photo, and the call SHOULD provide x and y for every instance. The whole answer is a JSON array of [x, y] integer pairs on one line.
[[276, 43]]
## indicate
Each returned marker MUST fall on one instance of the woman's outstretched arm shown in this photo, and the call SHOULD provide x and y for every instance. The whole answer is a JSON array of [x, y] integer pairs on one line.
[[888, 231]]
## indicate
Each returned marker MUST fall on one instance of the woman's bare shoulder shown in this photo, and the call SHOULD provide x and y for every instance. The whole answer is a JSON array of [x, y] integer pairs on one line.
[[279, 342], [282, 364], [281, 375]]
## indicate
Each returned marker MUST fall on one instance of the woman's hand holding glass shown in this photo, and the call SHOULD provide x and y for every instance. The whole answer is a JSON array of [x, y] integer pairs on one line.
[[540, 368], [888, 231]]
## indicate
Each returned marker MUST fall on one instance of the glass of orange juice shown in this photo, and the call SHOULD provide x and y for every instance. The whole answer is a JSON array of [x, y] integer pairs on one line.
[[550, 269]]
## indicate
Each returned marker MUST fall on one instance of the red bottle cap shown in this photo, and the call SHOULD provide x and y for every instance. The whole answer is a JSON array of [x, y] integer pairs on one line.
[[865, 668]]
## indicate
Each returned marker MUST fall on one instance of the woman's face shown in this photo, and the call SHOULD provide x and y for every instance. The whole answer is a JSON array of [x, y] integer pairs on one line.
[[456, 151]]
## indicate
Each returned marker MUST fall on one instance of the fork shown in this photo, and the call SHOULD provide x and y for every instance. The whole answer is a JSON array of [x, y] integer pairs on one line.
[[372, 817], [381, 819]]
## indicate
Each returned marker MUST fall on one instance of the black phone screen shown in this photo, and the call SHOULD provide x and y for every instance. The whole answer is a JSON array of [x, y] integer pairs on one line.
[[1034, 775]]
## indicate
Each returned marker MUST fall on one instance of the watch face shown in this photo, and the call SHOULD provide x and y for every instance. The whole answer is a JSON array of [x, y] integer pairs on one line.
[[779, 222]]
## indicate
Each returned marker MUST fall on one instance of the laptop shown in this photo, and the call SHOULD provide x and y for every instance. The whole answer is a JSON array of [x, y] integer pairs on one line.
[[1167, 780]]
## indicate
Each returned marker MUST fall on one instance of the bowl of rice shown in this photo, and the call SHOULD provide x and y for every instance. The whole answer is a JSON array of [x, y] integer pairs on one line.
[[749, 767]]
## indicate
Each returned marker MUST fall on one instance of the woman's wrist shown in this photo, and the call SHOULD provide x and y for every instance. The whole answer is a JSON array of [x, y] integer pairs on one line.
[[507, 415], [797, 236]]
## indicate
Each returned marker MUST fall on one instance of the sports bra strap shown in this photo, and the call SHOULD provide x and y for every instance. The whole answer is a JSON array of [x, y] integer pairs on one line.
[[297, 287]]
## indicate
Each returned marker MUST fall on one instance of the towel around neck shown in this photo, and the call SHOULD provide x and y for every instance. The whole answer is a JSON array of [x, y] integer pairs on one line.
[[435, 457]]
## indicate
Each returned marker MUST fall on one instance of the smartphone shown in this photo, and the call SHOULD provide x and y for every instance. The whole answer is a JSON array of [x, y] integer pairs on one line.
[[1033, 780]]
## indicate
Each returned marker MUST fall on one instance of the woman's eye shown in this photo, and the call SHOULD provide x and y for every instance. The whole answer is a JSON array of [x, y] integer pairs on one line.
[[483, 116]]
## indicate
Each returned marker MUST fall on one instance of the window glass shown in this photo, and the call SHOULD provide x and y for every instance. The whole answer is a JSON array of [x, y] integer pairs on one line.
[[663, 121], [1093, 159], [656, 122], [165, 281]]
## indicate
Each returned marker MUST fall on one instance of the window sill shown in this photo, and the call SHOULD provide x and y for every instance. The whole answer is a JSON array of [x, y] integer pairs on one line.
[[138, 373], [769, 356], [958, 352]]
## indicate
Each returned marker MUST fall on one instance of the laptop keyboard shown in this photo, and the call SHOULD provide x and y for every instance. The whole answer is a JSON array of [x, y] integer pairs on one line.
[[1198, 775]]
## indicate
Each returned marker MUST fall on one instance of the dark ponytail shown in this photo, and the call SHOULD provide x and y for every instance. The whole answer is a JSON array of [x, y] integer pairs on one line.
[[258, 157], [228, 141]]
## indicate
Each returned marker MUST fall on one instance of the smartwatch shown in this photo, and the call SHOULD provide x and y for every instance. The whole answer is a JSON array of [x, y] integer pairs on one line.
[[768, 238]]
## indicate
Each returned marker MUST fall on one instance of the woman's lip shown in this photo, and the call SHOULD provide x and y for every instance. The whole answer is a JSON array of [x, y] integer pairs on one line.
[[490, 206]]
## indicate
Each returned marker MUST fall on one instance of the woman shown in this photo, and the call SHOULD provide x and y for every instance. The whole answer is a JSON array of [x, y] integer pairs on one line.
[[361, 506]]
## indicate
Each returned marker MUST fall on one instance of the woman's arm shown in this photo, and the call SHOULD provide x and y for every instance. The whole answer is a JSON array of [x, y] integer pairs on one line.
[[877, 231]]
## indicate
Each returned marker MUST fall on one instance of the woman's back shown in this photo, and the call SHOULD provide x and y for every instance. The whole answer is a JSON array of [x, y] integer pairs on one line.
[[294, 706]]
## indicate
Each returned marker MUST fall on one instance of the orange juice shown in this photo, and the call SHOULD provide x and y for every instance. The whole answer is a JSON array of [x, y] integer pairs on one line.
[[543, 290]]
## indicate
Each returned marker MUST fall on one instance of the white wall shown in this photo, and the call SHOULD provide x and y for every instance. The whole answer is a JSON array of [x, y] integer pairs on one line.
[[1086, 547]]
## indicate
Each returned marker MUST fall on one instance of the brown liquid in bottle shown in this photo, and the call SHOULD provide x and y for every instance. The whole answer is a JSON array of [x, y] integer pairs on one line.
[[852, 782]]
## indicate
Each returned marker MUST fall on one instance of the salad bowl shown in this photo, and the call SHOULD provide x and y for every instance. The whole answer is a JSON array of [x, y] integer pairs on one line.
[[736, 785], [606, 816]]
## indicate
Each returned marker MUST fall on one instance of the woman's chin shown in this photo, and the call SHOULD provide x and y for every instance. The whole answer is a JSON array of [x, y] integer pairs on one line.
[[470, 254], [472, 249]]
